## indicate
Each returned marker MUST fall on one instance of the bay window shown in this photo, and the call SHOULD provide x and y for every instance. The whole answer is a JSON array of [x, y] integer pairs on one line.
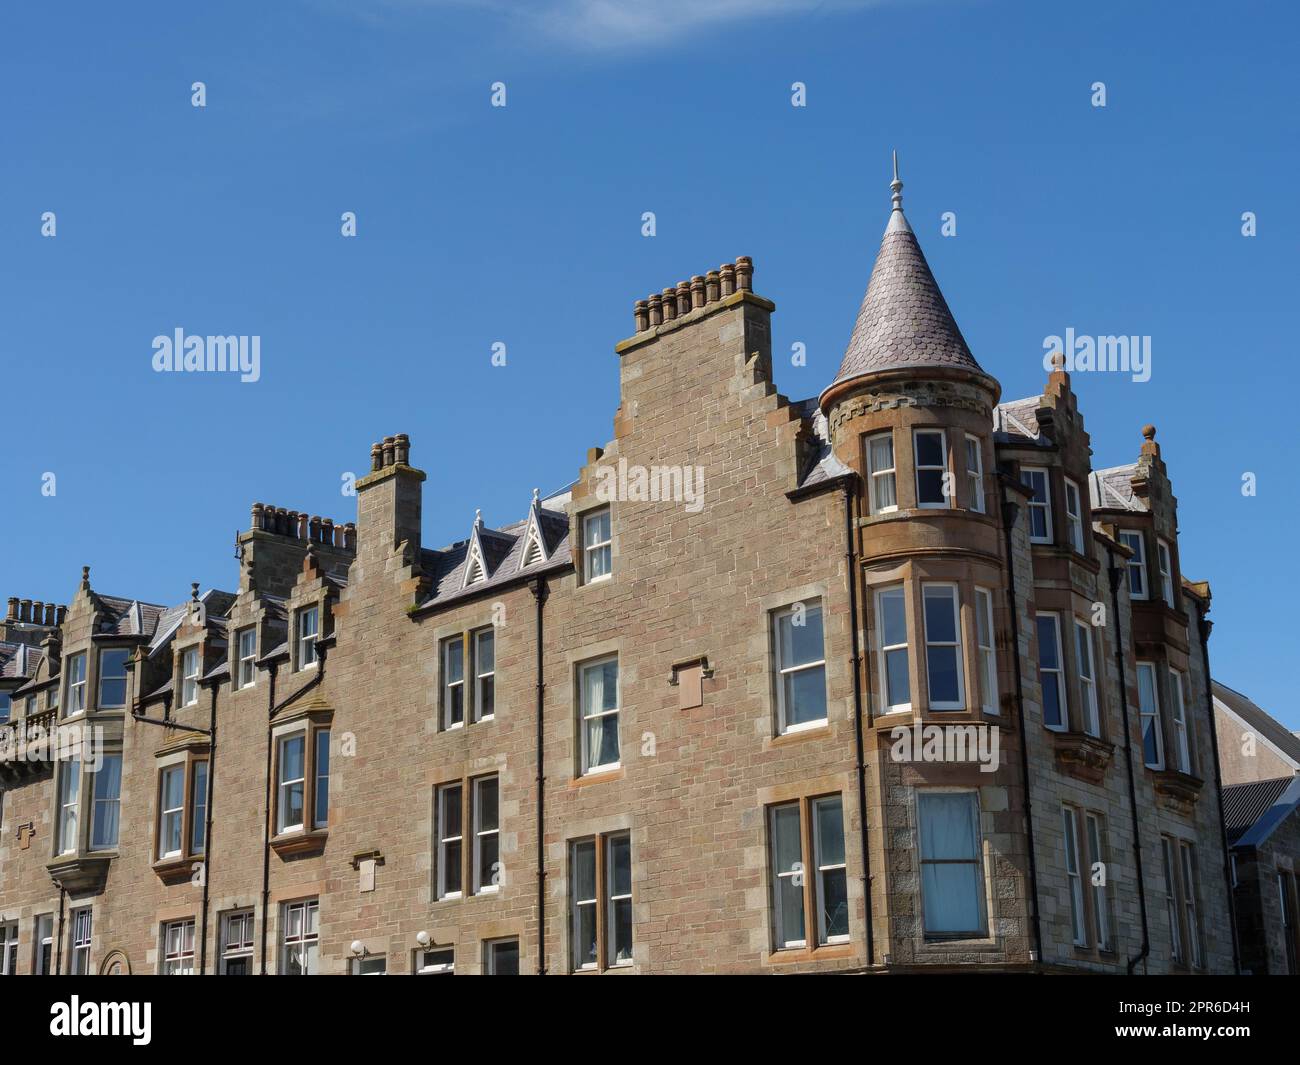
[[930, 450], [943, 657], [112, 678], [952, 875]]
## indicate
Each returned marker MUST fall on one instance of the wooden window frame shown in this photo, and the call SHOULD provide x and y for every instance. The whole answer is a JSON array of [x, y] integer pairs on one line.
[[812, 870], [603, 902]]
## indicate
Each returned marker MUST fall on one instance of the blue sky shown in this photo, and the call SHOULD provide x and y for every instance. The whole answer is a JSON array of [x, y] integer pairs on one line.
[[523, 225]]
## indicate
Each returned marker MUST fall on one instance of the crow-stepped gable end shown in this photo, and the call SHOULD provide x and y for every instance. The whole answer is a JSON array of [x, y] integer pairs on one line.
[[863, 681]]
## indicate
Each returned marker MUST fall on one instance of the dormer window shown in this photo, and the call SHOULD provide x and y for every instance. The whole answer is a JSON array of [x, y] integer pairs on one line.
[[881, 473], [1166, 572], [246, 649], [112, 678], [932, 482], [190, 677], [1137, 565], [1074, 515], [1040, 504], [597, 546], [975, 474], [76, 683], [308, 630]]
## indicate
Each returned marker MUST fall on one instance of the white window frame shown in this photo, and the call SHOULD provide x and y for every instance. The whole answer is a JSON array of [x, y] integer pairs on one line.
[[189, 676], [1137, 565], [1097, 859], [1028, 474], [1153, 713], [1184, 748], [435, 961], [784, 938], [76, 698], [236, 945], [450, 875], [955, 644], [1074, 515], [612, 900], [822, 867], [177, 954], [168, 814], [69, 840], [944, 469], [1165, 562], [592, 547], [783, 670], [1088, 700], [986, 642], [305, 637], [1073, 875], [1063, 707], [482, 833], [883, 474], [8, 948], [1171, 897], [43, 944], [98, 802], [284, 784], [1188, 871], [453, 686], [123, 677], [83, 923], [481, 676], [246, 661], [584, 716], [308, 911], [899, 592], [320, 755], [975, 476], [577, 905]]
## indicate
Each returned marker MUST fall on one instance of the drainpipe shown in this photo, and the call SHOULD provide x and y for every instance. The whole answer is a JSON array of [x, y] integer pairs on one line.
[[266, 832], [541, 592], [1204, 626], [1115, 574], [58, 943], [850, 557], [207, 828], [1010, 511]]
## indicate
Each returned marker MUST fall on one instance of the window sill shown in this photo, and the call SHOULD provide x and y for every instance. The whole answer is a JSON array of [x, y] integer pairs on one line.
[[599, 776], [178, 869], [81, 873], [803, 955], [295, 844], [820, 731]]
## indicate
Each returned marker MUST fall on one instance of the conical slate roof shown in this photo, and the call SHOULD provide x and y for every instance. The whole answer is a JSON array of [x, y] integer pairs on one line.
[[904, 321]]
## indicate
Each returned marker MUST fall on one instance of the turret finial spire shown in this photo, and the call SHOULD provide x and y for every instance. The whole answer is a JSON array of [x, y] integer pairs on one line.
[[896, 186]]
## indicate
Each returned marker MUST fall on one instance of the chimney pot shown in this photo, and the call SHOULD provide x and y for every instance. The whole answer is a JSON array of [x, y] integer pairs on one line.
[[402, 449], [388, 451], [50, 612], [656, 310], [62, 613], [668, 300], [350, 536], [303, 532], [24, 610], [683, 298], [12, 613], [728, 271], [376, 457], [697, 290], [745, 273], [711, 284], [327, 531], [257, 515], [313, 529], [641, 315]]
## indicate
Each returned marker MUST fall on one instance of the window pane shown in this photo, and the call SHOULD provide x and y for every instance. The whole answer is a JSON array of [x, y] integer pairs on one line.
[[830, 832], [896, 677], [835, 902], [584, 871], [602, 740], [805, 696], [108, 787], [893, 617], [455, 661], [789, 901], [620, 865], [801, 643], [929, 486], [485, 651], [951, 896], [291, 758], [882, 453], [505, 958], [929, 449], [945, 686], [199, 791], [487, 805], [1048, 657], [940, 617], [948, 826], [787, 849]]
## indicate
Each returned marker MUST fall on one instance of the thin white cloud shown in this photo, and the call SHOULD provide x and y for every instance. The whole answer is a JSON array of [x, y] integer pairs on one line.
[[604, 25]]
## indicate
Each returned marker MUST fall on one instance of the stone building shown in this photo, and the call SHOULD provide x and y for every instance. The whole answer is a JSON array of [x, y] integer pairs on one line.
[[888, 680]]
